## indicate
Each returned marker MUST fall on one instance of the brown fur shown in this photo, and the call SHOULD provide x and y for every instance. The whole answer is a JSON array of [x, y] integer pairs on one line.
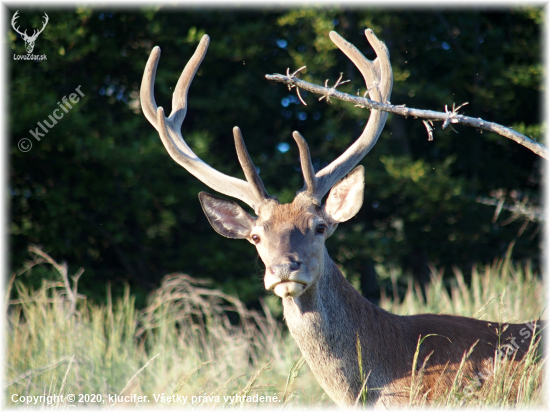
[[328, 318], [327, 321]]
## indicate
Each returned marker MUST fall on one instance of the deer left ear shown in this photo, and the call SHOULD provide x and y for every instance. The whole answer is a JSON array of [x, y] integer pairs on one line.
[[226, 217], [346, 197]]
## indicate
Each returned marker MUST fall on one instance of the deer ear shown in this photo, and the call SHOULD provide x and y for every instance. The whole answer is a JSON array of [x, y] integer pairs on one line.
[[226, 217], [346, 197]]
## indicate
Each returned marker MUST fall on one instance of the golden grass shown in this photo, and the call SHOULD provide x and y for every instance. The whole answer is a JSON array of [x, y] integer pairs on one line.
[[200, 346]]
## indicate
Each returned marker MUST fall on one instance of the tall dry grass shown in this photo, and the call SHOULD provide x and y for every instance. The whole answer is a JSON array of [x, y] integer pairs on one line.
[[501, 292], [194, 341]]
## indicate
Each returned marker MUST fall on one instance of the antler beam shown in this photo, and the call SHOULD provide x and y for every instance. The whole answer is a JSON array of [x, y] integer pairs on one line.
[[379, 80], [252, 191]]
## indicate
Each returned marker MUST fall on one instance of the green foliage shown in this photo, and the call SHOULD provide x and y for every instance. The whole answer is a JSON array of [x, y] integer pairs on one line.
[[100, 190]]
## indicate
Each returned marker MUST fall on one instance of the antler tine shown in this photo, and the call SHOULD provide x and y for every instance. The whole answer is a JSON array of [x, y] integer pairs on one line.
[[379, 80], [147, 90], [248, 167], [179, 98], [252, 192], [310, 181]]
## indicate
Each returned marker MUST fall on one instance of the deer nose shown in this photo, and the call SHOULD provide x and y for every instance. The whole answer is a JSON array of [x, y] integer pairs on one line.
[[283, 270]]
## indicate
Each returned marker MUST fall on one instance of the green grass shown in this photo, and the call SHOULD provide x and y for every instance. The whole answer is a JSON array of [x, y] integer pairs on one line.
[[195, 342]]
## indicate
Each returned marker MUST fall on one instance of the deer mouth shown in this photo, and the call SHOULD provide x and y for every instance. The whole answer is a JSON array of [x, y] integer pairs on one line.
[[286, 288], [289, 288], [272, 280]]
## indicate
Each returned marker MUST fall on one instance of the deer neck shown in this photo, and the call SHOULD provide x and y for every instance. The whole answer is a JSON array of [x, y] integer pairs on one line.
[[328, 320]]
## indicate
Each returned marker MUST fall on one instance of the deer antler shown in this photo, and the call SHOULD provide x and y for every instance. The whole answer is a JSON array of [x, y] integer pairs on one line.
[[379, 80], [252, 191]]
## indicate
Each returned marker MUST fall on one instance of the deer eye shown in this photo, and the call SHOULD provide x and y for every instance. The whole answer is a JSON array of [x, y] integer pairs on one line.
[[321, 229], [256, 239]]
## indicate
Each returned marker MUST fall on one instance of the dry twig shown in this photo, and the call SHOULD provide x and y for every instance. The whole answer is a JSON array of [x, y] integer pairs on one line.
[[446, 117]]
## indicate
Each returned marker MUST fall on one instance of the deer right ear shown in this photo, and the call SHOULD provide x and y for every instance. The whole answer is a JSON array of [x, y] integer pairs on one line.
[[346, 197], [226, 217]]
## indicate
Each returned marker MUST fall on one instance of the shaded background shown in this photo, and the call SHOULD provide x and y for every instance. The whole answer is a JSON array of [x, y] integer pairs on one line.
[[100, 191]]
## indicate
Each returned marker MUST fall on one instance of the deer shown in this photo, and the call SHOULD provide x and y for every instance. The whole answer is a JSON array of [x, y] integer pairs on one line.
[[29, 40], [329, 320]]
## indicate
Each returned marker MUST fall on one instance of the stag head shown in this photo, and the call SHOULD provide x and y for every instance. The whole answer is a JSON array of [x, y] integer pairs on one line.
[[29, 40], [290, 238]]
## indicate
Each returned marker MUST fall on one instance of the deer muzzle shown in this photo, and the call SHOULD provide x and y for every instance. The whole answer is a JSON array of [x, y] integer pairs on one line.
[[287, 279]]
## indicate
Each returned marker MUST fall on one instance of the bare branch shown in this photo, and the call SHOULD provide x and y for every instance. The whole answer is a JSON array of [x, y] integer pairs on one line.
[[429, 124], [300, 96], [297, 89], [338, 83], [447, 117], [529, 212]]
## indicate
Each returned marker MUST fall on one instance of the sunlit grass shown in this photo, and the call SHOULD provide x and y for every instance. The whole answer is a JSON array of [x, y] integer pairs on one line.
[[502, 384], [198, 342], [503, 291], [207, 348]]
